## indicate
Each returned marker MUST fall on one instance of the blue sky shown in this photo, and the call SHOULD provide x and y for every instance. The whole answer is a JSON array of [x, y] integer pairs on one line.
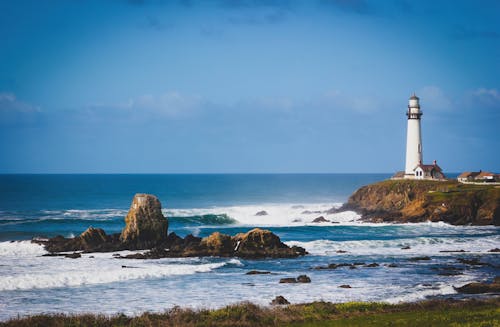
[[220, 86]]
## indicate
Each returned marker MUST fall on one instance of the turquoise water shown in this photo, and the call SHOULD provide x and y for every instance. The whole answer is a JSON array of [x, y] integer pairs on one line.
[[48, 205]]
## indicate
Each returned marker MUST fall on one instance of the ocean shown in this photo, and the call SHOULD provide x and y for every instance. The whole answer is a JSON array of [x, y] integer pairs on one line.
[[50, 205]]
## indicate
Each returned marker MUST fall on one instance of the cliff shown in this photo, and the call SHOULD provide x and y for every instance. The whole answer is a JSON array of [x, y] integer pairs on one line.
[[418, 201]]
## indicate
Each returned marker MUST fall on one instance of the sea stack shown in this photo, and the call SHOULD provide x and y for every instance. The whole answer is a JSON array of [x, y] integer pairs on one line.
[[145, 225]]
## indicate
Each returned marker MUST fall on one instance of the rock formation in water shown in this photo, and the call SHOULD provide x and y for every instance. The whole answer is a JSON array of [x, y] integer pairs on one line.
[[419, 201], [146, 229], [255, 244], [480, 288], [145, 225]]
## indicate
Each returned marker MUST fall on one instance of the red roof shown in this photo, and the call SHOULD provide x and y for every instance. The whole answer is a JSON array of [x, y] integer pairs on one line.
[[467, 174], [428, 168]]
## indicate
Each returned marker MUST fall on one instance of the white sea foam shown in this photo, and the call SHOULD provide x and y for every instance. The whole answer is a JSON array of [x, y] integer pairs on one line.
[[98, 273], [28, 270], [418, 246], [19, 249], [277, 214]]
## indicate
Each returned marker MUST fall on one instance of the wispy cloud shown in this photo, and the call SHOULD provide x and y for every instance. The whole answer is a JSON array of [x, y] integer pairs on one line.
[[168, 105], [15, 111], [488, 97], [434, 98]]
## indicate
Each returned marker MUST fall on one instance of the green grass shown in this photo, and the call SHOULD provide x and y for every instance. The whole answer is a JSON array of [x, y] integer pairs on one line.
[[447, 317], [427, 313]]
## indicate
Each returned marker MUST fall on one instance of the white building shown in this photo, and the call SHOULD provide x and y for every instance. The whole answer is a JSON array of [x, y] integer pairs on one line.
[[414, 168]]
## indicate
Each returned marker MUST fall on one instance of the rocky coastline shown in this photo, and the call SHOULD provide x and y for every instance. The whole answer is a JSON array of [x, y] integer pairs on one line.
[[147, 229], [412, 201]]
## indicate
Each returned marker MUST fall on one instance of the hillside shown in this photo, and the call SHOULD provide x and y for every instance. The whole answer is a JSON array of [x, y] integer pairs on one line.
[[419, 201]]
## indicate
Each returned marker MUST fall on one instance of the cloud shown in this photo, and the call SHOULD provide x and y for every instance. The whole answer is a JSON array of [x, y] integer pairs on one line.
[[338, 100], [487, 97], [434, 98], [15, 112], [464, 33], [169, 105]]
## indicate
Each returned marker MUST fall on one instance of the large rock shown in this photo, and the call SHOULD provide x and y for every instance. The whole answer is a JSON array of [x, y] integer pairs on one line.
[[218, 244], [255, 244], [259, 243], [93, 238], [145, 226], [479, 288]]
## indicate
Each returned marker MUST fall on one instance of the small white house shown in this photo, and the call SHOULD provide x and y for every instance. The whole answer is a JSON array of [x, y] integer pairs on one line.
[[428, 171]]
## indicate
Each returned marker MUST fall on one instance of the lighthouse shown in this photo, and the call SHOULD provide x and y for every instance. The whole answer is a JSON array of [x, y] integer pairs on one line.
[[415, 168], [414, 155]]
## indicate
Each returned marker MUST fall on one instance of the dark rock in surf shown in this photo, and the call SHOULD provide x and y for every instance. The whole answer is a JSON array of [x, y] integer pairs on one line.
[[480, 288], [320, 219], [262, 213], [279, 300], [257, 272], [472, 262], [372, 265], [303, 279], [425, 258]]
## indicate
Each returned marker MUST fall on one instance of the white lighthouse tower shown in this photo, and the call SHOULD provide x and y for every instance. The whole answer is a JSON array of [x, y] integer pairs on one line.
[[414, 156]]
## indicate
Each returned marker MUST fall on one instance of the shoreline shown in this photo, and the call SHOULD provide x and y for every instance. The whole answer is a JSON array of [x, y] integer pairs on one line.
[[476, 311]]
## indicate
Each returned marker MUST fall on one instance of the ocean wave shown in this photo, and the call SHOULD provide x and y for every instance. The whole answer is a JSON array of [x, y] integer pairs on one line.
[[18, 249], [290, 214], [208, 219], [29, 270], [100, 274], [413, 246]]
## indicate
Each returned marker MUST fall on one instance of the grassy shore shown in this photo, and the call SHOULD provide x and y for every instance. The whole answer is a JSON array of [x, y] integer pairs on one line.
[[427, 313]]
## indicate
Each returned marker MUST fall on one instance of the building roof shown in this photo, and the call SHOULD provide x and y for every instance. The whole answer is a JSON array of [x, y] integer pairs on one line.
[[414, 97], [467, 174], [428, 168], [485, 174]]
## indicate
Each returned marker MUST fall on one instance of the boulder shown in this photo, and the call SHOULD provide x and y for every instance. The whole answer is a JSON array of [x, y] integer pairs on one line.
[[303, 279], [480, 288], [145, 225], [288, 280], [259, 243], [320, 219], [257, 272], [279, 300], [472, 262], [262, 213], [345, 286], [93, 238], [218, 244], [372, 265], [425, 258]]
